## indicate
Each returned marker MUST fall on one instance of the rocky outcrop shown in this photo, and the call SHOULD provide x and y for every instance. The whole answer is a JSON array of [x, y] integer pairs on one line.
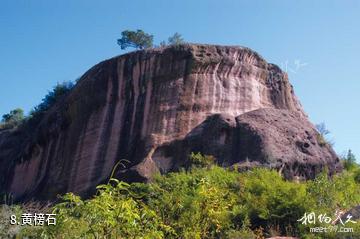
[[272, 138], [281, 139], [152, 107]]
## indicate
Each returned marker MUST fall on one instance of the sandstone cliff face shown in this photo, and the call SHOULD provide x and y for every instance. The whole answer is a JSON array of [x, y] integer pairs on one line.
[[267, 137], [145, 107]]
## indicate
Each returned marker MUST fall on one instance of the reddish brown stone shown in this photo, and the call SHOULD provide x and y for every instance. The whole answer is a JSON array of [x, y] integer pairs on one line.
[[148, 107]]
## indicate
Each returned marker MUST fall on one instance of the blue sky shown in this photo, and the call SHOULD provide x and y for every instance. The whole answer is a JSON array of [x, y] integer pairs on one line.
[[317, 42]]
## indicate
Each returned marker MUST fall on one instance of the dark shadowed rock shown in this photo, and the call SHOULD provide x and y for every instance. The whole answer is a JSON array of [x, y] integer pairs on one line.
[[353, 214], [272, 138], [214, 137], [283, 140], [153, 107]]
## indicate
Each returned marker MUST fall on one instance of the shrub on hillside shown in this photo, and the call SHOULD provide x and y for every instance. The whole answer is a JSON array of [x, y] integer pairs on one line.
[[271, 202], [176, 39], [12, 119], [323, 134], [6, 229], [112, 213], [50, 99], [349, 161], [204, 202], [357, 176], [199, 160], [196, 204]]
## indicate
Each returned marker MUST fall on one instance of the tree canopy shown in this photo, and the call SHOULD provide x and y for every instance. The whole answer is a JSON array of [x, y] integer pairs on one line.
[[13, 117], [175, 39], [136, 39]]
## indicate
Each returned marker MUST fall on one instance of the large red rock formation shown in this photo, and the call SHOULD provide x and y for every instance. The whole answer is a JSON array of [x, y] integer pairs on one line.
[[149, 107]]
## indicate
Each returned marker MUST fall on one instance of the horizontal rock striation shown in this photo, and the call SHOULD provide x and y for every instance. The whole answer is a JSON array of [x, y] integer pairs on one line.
[[145, 107]]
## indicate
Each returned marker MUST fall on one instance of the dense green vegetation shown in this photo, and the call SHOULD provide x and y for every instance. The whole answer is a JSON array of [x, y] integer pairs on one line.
[[204, 202]]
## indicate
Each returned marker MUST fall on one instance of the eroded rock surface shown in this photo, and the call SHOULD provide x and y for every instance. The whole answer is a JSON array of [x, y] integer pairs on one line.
[[153, 106], [281, 139], [267, 137]]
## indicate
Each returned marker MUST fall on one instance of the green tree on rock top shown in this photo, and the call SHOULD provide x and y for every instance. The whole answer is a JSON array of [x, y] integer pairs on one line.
[[136, 39], [13, 118]]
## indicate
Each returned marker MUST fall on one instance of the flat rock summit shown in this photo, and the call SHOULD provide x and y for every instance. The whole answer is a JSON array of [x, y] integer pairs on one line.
[[153, 108]]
